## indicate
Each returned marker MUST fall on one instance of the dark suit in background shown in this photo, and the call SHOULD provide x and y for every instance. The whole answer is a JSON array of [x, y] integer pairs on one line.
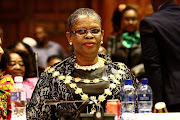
[[160, 39]]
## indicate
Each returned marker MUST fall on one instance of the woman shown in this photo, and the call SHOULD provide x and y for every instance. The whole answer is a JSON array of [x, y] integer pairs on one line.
[[21, 46], [84, 75], [6, 84], [16, 63], [126, 47]]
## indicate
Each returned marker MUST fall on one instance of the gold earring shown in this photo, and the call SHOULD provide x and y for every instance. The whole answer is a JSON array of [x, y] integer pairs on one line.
[[70, 43]]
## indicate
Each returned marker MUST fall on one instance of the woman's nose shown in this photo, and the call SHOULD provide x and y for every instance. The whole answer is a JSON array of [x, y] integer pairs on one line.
[[17, 66], [89, 35]]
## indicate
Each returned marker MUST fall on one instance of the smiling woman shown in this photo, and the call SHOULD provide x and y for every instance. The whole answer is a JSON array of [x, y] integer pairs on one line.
[[85, 75], [15, 63]]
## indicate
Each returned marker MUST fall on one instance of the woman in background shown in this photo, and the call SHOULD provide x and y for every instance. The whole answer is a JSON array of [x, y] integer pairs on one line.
[[21, 46], [125, 47], [16, 63]]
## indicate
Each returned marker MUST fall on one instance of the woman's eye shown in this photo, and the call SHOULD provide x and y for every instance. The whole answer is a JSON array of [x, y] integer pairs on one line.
[[95, 30], [81, 31]]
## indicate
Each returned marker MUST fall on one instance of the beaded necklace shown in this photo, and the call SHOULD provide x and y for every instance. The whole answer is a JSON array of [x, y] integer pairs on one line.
[[90, 67]]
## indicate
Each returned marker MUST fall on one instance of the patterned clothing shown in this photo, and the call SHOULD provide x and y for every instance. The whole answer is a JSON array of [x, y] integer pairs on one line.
[[51, 86], [5, 107]]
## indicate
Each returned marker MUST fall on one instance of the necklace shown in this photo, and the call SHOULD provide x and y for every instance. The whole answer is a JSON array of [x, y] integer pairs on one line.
[[90, 67], [71, 81]]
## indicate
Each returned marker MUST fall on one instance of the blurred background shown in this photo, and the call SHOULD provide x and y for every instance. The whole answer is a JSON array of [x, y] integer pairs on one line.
[[19, 17]]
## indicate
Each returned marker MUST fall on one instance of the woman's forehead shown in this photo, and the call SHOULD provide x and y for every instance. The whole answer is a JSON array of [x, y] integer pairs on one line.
[[86, 21]]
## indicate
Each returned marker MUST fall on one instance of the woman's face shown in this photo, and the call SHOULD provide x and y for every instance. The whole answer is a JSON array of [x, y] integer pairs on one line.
[[1, 50], [129, 21], [86, 45], [16, 65]]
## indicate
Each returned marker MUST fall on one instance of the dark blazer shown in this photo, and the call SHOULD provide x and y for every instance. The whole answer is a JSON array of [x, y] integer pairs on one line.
[[160, 40]]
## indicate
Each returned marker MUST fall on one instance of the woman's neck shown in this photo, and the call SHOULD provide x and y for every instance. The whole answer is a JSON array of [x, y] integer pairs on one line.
[[86, 61]]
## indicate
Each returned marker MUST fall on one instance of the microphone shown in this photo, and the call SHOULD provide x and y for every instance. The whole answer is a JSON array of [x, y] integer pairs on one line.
[[36, 60], [66, 115]]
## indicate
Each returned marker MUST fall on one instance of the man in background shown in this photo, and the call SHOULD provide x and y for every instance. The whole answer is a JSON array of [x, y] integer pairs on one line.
[[45, 47], [160, 40]]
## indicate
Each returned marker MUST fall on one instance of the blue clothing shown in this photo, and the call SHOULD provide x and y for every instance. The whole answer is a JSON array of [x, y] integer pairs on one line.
[[52, 49]]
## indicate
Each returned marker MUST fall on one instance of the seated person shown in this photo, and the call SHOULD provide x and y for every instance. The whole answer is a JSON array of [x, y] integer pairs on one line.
[[16, 63], [21, 46], [53, 59], [126, 47], [85, 75]]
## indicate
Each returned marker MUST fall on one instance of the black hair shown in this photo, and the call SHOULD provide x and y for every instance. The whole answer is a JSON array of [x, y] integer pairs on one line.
[[53, 57], [6, 58], [30, 54], [129, 8], [117, 15]]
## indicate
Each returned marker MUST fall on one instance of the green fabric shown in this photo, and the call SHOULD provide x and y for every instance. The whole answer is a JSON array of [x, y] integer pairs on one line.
[[130, 38]]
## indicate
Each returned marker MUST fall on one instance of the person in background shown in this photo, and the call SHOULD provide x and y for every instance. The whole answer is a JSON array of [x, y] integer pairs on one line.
[[116, 22], [160, 39], [16, 63], [85, 75], [21, 46], [30, 41], [6, 83], [53, 59], [102, 50], [125, 47], [45, 47]]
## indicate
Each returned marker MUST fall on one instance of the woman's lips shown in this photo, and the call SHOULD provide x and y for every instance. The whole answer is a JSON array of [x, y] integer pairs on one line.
[[89, 44]]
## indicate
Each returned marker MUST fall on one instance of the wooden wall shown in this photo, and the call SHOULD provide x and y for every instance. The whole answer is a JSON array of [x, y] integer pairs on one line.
[[19, 17]]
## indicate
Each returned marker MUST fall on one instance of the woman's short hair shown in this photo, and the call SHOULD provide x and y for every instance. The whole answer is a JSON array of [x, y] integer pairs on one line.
[[82, 11]]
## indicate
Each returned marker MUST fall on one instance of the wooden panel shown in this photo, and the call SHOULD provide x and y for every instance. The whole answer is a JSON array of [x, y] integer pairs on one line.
[[19, 17], [43, 6], [10, 32]]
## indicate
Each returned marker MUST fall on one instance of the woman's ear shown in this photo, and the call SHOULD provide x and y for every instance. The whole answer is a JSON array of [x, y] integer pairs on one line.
[[68, 35]]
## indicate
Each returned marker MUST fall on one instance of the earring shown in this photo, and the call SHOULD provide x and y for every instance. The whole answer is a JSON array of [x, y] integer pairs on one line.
[[70, 43], [101, 42]]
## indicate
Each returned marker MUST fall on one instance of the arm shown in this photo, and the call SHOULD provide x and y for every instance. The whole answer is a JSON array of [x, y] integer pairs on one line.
[[35, 108], [151, 57]]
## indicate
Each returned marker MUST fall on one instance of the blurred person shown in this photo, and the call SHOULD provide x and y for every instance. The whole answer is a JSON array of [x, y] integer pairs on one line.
[[117, 16], [53, 59], [102, 50], [160, 39], [21, 46], [6, 83], [85, 75], [16, 63], [125, 47], [30, 41], [45, 47]]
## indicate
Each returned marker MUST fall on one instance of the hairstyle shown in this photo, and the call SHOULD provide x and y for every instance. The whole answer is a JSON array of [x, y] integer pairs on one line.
[[6, 58], [82, 11], [117, 15], [14, 44], [129, 8], [53, 57]]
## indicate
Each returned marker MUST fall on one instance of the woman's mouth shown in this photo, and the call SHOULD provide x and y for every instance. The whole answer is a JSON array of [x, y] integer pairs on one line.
[[89, 44]]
